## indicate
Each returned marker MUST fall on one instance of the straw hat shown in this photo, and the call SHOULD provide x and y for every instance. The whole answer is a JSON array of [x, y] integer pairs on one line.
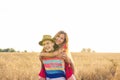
[[46, 37]]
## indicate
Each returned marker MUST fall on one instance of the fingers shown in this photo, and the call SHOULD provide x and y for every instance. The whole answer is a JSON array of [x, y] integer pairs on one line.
[[64, 56]]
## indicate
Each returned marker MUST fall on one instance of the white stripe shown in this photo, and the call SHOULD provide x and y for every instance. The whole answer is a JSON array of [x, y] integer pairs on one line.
[[61, 78]]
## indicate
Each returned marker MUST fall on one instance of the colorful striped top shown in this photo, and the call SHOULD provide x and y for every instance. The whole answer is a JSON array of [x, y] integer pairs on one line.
[[54, 68]]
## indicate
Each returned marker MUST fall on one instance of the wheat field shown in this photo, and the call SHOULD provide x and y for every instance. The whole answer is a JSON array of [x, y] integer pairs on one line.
[[88, 66]]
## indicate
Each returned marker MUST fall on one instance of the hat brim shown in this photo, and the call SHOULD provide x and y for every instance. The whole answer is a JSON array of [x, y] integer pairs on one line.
[[41, 42]]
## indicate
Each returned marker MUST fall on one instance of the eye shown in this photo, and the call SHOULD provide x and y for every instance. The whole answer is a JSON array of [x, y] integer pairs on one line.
[[57, 35], [47, 43], [62, 38]]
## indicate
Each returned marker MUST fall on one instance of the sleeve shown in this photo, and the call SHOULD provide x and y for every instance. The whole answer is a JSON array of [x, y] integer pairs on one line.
[[42, 72], [64, 46]]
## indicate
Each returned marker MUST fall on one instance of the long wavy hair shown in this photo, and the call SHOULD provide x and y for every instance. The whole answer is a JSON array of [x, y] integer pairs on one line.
[[65, 42]]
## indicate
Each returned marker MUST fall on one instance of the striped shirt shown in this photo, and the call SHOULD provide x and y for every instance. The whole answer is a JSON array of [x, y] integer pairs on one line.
[[54, 68]]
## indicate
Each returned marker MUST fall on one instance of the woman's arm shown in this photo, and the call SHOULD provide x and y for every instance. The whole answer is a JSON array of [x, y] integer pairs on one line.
[[68, 61], [72, 65], [54, 54]]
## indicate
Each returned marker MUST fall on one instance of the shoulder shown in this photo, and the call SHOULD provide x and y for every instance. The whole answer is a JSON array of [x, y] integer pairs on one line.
[[64, 46]]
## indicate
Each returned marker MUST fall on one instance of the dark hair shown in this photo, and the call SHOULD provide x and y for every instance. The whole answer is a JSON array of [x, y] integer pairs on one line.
[[56, 47]]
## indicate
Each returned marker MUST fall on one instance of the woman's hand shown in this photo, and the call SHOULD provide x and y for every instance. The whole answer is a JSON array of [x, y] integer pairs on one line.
[[64, 57], [49, 55]]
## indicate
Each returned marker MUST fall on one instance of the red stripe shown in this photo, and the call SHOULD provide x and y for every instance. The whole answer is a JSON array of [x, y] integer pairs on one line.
[[52, 65]]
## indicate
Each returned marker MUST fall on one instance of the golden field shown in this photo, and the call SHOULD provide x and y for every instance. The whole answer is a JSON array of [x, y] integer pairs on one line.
[[88, 66]]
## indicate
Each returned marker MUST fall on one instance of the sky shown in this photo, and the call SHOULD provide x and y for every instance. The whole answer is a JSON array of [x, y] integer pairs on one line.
[[89, 23]]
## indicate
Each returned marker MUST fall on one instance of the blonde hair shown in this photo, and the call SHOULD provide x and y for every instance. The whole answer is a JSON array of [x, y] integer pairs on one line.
[[65, 42]]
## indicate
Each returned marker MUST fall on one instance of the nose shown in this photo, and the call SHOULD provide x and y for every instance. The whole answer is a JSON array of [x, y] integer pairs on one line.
[[59, 39]]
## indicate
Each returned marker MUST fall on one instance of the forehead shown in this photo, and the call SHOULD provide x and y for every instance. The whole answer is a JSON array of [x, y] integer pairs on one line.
[[61, 35], [47, 41]]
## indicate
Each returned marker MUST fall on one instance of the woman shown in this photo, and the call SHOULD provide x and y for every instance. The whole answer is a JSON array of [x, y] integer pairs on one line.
[[61, 40]]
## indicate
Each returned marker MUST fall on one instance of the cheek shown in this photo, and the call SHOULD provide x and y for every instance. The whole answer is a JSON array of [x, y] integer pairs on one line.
[[61, 41], [52, 44], [56, 41]]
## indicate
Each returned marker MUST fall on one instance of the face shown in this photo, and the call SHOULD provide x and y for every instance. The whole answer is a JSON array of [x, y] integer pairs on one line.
[[59, 39], [48, 45]]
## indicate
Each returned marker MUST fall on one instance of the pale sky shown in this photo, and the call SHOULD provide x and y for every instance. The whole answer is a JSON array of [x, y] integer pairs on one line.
[[89, 23]]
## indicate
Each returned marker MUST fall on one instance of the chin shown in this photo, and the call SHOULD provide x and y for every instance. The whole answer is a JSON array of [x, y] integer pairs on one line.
[[57, 43], [48, 51]]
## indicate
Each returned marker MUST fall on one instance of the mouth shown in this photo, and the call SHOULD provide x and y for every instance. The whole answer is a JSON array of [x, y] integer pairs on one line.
[[48, 49], [57, 42]]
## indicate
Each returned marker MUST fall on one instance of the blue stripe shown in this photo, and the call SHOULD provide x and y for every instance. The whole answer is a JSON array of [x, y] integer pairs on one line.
[[51, 61], [55, 73]]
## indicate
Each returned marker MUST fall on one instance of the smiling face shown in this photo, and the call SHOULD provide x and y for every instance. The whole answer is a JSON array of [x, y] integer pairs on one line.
[[59, 39], [48, 46]]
